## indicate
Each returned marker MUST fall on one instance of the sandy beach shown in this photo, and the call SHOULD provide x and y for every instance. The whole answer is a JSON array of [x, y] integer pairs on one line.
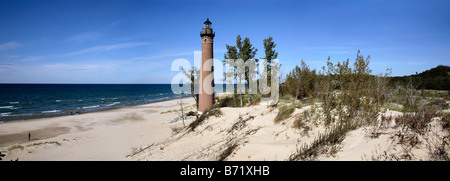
[[248, 133]]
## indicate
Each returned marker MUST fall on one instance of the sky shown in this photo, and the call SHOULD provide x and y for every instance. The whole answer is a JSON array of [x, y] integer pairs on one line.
[[136, 41]]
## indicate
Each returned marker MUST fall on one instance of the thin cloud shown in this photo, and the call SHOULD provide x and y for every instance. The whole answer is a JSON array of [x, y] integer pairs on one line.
[[83, 37], [33, 58], [79, 67], [117, 22], [100, 48], [163, 56], [339, 52], [416, 63], [103, 48], [55, 66], [6, 66], [13, 56], [9, 45]]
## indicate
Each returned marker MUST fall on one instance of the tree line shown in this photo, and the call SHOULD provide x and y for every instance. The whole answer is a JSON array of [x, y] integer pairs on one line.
[[354, 82], [437, 78]]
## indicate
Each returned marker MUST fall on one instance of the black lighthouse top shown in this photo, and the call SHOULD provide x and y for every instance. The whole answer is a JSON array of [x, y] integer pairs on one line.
[[205, 31], [207, 23]]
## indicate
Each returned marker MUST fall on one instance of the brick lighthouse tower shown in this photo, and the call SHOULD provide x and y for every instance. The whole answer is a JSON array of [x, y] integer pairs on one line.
[[206, 96]]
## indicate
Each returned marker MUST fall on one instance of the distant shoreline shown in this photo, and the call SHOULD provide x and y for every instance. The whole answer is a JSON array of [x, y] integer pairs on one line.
[[33, 101], [65, 113], [98, 110]]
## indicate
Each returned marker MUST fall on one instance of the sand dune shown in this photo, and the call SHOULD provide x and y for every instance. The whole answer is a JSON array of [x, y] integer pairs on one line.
[[248, 133], [258, 138]]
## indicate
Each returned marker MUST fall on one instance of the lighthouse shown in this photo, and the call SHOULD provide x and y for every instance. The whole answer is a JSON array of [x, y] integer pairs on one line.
[[206, 95]]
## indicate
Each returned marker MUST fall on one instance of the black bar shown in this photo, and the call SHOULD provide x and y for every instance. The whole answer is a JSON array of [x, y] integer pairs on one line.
[[228, 170]]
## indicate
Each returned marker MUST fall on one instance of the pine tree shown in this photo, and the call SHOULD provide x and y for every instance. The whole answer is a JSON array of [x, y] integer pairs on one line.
[[243, 50], [270, 54], [246, 52], [230, 57]]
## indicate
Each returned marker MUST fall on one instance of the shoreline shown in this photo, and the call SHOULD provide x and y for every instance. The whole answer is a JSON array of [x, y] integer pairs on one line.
[[42, 115], [102, 135]]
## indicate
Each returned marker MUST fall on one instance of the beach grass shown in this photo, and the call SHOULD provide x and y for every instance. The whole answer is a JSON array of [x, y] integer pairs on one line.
[[326, 143], [44, 143], [216, 112], [179, 110], [15, 147], [284, 112], [20, 147]]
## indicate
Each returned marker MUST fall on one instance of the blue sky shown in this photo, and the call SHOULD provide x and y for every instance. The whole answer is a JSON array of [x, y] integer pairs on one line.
[[92, 41]]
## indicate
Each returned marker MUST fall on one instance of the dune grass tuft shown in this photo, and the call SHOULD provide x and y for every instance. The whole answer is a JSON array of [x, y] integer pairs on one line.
[[284, 112], [213, 112]]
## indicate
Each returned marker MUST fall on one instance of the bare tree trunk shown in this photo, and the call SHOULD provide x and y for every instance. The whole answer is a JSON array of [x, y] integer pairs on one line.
[[240, 96], [182, 112], [235, 99]]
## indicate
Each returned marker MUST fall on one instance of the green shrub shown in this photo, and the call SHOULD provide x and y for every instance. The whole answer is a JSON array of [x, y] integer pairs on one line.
[[284, 112], [302, 118], [417, 121], [286, 98], [441, 104], [225, 102], [298, 123], [446, 121], [256, 100], [393, 107]]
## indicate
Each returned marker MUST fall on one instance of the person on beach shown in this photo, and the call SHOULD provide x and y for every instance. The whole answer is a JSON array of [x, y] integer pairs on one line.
[[29, 136]]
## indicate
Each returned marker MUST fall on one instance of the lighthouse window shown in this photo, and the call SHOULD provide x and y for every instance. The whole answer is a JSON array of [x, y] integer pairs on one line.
[[205, 40]]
